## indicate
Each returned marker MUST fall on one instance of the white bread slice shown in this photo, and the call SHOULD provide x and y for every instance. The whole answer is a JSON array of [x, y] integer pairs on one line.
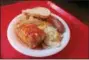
[[41, 12]]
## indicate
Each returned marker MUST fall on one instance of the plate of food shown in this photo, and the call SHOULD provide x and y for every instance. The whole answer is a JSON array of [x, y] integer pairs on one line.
[[38, 32]]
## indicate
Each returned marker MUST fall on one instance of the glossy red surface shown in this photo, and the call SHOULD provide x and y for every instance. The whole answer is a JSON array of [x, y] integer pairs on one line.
[[77, 47]]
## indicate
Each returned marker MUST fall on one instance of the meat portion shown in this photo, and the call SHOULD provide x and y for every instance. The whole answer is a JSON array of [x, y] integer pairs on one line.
[[30, 34], [57, 24]]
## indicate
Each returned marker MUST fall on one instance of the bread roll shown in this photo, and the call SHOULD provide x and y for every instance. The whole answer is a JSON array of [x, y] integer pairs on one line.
[[41, 12]]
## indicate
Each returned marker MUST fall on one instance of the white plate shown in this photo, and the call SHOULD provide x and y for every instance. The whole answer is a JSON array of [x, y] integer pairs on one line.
[[13, 40]]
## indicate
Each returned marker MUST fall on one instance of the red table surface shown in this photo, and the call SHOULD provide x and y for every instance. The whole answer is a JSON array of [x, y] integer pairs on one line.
[[77, 47]]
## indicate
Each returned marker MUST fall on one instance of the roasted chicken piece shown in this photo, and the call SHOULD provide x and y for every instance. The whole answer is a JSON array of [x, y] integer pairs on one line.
[[30, 34]]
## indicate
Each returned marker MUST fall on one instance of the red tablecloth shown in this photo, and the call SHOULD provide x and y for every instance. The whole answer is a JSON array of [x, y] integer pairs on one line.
[[77, 47]]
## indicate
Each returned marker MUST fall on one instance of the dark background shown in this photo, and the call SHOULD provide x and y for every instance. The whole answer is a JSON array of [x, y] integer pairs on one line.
[[78, 8]]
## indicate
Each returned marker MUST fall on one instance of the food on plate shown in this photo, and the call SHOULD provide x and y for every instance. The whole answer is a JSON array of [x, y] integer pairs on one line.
[[30, 34], [57, 24], [53, 37], [36, 28], [38, 12]]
